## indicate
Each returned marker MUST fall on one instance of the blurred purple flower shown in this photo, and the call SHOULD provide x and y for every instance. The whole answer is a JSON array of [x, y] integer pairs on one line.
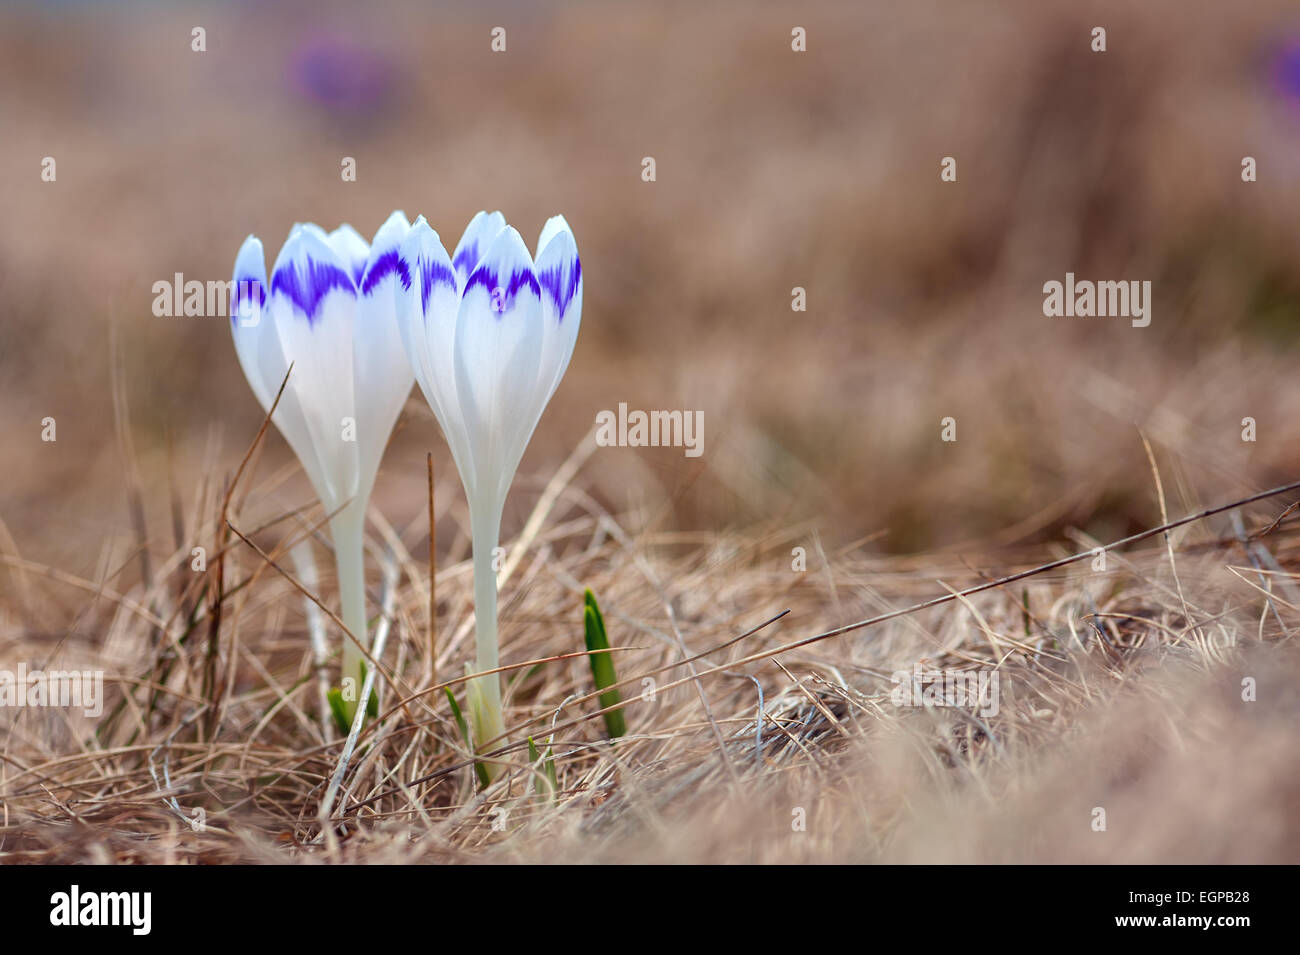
[[342, 76], [1286, 71]]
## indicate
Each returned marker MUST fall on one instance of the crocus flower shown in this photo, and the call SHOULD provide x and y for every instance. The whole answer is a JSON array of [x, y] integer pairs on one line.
[[329, 309], [489, 333]]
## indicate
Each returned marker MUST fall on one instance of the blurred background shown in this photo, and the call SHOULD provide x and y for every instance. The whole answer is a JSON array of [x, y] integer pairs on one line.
[[775, 169]]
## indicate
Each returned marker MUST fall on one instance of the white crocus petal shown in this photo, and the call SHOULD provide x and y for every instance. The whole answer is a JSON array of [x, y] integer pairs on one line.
[[474, 242], [329, 311], [247, 309], [559, 274], [257, 345], [313, 305], [381, 372], [489, 336], [350, 246], [553, 227], [427, 305], [311, 227], [498, 350]]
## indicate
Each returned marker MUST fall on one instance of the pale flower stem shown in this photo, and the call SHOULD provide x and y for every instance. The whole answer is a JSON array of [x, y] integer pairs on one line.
[[348, 530], [485, 527]]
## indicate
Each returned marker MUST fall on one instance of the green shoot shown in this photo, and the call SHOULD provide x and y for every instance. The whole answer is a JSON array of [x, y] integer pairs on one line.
[[602, 665], [459, 717]]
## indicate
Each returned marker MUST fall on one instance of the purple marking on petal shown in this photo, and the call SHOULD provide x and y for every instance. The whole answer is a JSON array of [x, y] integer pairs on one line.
[[431, 274], [492, 282], [466, 258], [358, 270], [561, 287], [247, 288], [307, 288], [384, 266]]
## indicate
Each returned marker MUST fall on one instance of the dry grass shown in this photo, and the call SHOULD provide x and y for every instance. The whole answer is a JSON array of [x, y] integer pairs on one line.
[[1120, 689]]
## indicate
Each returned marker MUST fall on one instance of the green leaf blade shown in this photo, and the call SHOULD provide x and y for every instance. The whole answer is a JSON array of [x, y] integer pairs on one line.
[[602, 665]]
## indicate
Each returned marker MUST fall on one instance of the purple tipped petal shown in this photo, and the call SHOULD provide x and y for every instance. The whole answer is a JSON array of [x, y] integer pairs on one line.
[[502, 289], [560, 282], [306, 283], [249, 295], [382, 267], [351, 248], [466, 257], [431, 274], [248, 290], [384, 259], [473, 245]]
